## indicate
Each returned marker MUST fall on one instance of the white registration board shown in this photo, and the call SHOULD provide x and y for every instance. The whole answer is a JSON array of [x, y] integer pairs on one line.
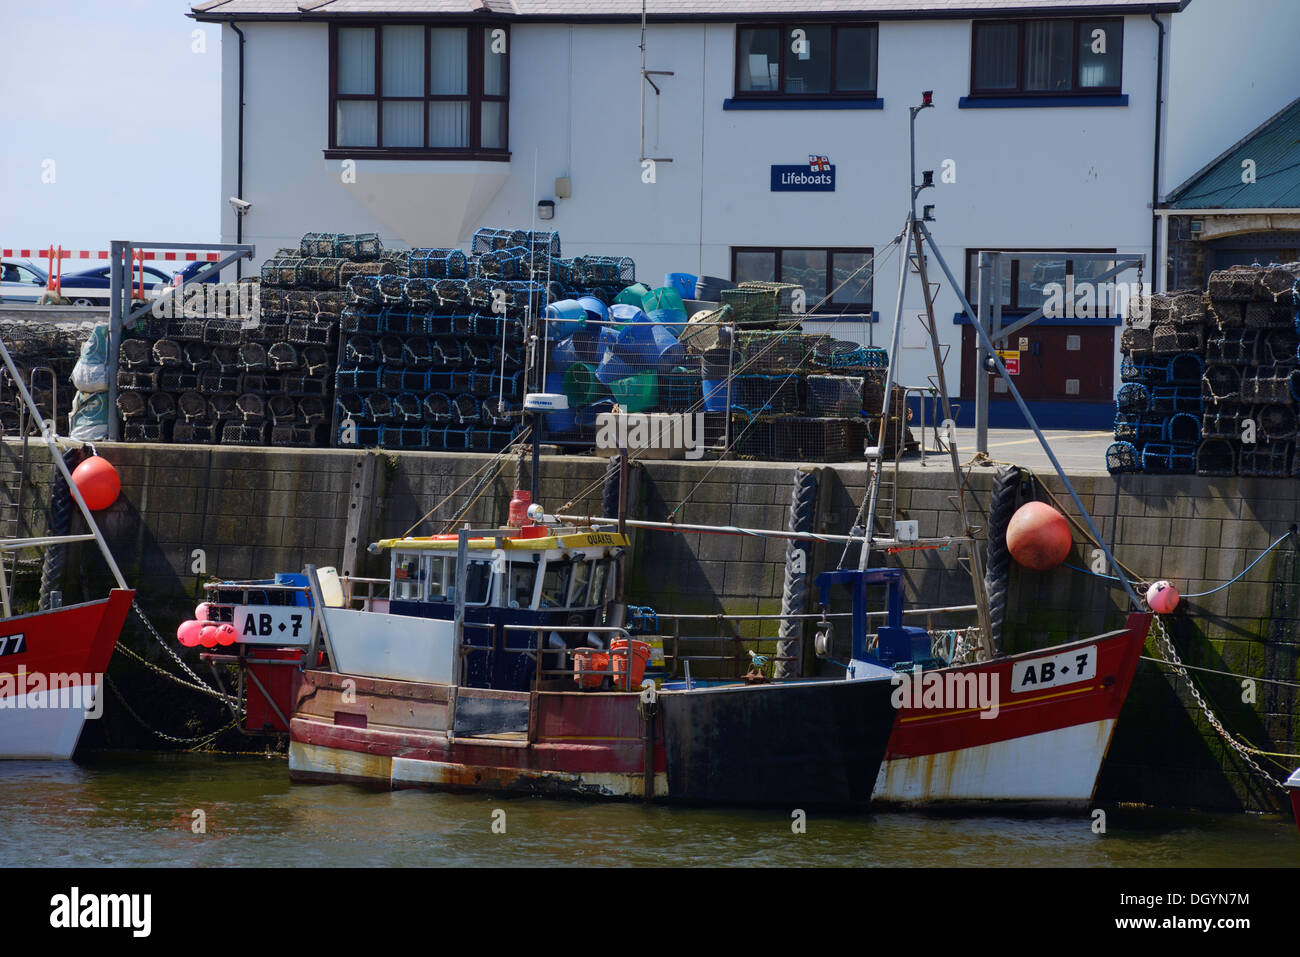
[[272, 624], [1053, 671]]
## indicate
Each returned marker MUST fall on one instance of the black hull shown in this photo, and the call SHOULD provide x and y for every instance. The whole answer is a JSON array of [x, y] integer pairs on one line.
[[797, 745]]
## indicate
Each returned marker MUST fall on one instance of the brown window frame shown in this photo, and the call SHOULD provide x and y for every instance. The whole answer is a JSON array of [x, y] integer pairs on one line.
[[474, 95], [1021, 63], [779, 93], [830, 309]]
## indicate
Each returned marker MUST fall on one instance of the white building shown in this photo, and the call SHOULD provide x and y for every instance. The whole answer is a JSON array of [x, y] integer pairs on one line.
[[425, 119]]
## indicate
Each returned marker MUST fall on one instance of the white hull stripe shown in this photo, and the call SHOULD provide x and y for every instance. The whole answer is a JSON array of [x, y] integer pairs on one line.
[[31, 732], [1055, 766]]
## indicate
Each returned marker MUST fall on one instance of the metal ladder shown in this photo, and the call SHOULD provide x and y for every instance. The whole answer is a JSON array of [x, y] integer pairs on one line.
[[14, 476]]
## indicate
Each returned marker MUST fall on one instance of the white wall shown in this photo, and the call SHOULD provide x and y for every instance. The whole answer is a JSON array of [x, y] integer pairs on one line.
[[1026, 178], [1232, 65]]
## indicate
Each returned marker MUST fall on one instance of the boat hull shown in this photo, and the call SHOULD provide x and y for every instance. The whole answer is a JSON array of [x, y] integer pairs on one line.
[[396, 734], [48, 687], [797, 745], [1046, 743]]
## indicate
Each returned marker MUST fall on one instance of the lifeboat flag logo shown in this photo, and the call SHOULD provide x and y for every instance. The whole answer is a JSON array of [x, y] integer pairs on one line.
[[818, 176]]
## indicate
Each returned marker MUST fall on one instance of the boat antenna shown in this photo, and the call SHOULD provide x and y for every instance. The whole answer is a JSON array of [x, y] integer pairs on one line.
[[925, 240]]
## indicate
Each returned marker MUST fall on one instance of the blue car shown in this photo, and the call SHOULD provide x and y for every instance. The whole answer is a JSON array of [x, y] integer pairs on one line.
[[91, 287]]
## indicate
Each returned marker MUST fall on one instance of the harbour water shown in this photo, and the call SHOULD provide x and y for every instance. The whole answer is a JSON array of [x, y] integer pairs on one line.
[[139, 810]]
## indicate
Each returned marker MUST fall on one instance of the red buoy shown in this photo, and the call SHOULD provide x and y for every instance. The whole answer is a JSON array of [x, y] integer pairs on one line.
[[98, 482], [1038, 536]]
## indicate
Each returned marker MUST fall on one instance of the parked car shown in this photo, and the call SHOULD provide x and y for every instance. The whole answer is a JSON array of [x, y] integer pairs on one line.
[[21, 282], [91, 287], [189, 272]]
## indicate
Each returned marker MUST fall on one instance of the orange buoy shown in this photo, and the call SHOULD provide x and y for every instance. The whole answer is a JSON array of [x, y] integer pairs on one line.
[[98, 482], [1038, 536]]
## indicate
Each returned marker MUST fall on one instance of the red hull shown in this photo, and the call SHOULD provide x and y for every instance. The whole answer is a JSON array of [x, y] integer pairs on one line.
[[1046, 742], [395, 733], [66, 648]]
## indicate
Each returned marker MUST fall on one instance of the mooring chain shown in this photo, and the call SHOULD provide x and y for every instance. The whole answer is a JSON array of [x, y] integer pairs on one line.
[[198, 741], [135, 605], [1242, 749], [177, 679]]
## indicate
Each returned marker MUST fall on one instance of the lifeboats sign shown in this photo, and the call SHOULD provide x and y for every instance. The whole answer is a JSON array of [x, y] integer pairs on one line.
[[818, 176]]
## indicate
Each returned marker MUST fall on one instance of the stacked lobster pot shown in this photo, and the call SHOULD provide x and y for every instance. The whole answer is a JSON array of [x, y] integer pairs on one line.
[[434, 358], [798, 397], [251, 369], [187, 371], [1210, 382]]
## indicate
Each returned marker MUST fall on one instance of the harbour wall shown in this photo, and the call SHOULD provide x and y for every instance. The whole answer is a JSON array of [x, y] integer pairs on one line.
[[186, 513]]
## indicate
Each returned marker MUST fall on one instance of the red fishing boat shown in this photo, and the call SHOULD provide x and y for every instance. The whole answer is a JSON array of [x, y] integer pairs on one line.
[[51, 669], [52, 661]]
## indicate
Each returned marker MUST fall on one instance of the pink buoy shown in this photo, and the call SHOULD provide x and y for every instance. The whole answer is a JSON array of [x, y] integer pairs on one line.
[[208, 635], [225, 633], [1163, 598], [188, 633], [203, 611]]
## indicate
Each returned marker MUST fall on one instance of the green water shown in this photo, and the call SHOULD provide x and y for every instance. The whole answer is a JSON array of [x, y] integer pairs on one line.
[[138, 810]]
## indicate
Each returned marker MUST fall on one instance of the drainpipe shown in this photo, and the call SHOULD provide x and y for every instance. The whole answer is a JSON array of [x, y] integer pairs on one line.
[[239, 160], [1155, 162]]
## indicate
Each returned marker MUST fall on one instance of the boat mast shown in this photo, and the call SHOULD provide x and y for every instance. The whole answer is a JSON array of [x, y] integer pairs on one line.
[[913, 242], [48, 434], [921, 238]]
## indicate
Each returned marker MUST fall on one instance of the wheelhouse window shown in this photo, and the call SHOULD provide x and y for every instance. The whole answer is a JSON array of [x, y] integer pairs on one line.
[[412, 88], [555, 583], [1046, 57], [523, 576], [808, 60], [409, 576], [846, 274], [1026, 283]]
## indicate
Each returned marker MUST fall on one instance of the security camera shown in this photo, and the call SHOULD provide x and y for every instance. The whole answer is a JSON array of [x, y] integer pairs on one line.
[[240, 205]]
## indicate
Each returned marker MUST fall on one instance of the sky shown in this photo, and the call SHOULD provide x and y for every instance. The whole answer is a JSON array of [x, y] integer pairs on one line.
[[95, 139]]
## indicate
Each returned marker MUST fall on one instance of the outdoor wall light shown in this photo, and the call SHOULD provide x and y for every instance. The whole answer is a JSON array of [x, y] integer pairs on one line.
[[546, 209]]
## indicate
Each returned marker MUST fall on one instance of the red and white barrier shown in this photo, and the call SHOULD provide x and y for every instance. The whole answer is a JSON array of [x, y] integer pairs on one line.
[[54, 256], [21, 253]]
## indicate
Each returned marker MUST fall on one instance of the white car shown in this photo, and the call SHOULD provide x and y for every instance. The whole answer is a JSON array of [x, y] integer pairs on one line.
[[21, 282]]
